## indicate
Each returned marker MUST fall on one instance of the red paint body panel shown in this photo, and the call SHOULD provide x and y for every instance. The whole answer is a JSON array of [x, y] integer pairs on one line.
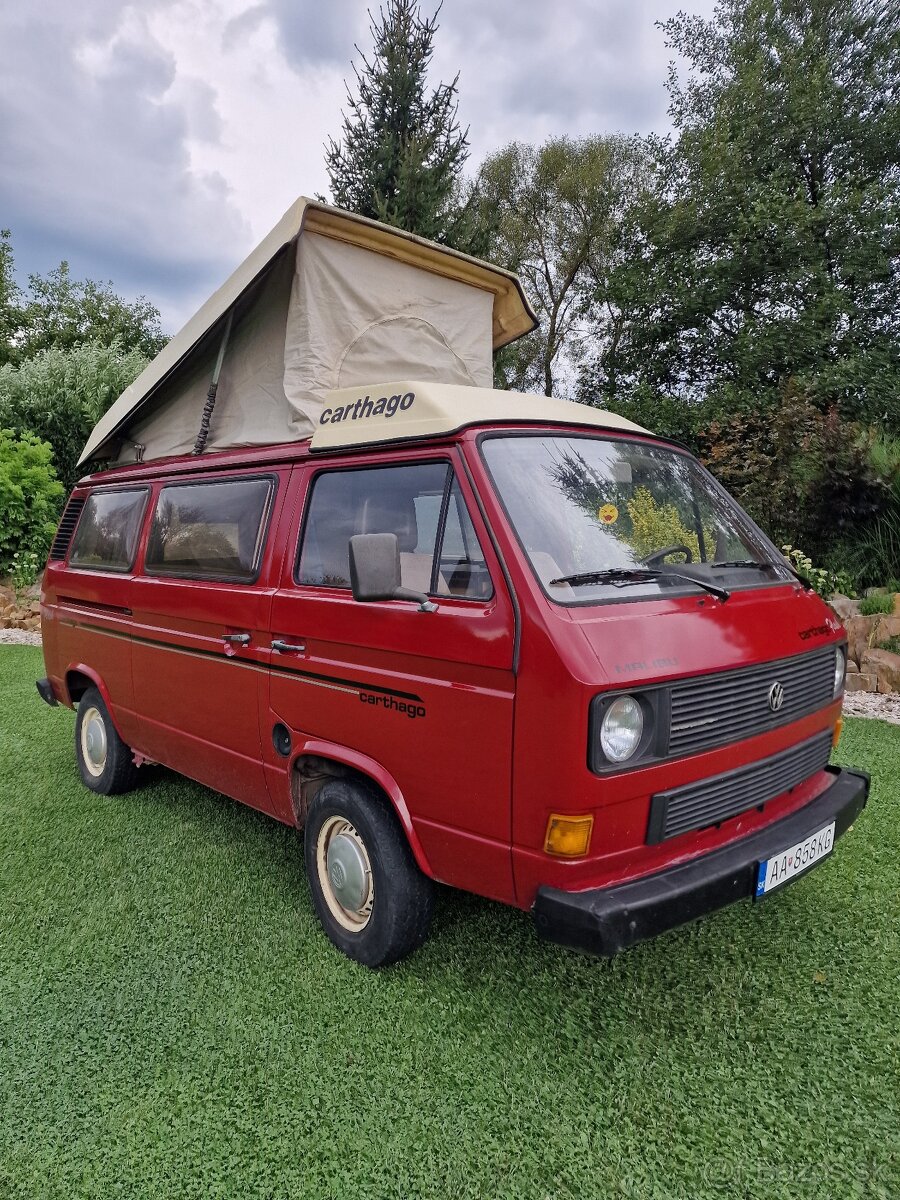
[[473, 719]]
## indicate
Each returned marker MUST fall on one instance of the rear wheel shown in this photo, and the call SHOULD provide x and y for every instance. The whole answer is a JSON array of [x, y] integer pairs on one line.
[[105, 762], [373, 901]]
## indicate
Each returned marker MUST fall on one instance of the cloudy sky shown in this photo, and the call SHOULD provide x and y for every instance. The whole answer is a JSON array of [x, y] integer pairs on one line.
[[153, 144]]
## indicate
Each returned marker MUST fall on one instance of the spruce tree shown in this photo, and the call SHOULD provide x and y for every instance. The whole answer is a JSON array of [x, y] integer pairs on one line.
[[402, 151]]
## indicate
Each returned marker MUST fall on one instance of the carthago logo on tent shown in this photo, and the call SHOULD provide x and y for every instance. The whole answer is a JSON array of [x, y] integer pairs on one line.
[[385, 406]]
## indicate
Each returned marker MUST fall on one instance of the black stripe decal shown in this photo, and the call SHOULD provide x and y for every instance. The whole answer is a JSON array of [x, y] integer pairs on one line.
[[277, 668]]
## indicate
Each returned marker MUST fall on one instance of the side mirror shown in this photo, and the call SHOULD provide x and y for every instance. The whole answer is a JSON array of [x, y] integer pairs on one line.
[[375, 571]]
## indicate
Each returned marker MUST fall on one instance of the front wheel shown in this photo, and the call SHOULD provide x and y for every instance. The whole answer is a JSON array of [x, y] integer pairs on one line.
[[373, 901], [105, 762]]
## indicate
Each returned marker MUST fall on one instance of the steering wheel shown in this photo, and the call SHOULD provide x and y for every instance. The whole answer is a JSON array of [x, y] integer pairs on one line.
[[656, 558]]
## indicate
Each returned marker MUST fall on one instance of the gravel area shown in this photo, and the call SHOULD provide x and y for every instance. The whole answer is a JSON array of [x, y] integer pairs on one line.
[[871, 704], [19, 637], [856, 704]]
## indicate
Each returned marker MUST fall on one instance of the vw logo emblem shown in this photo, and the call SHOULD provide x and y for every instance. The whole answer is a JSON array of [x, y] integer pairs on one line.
[[776, 696]]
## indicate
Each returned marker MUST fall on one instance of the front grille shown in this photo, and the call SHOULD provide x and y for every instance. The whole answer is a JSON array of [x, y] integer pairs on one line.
[[711, 801], [66, 528], [711, 710]]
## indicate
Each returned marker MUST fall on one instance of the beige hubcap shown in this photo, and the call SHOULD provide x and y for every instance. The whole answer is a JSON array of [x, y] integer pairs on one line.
[[93, 742], [345, 874]]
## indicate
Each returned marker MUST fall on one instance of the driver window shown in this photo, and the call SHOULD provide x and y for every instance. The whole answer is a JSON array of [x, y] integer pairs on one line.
[[419, 502]]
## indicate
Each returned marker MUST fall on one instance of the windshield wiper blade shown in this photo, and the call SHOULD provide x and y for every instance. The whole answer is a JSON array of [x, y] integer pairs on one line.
[[765, 566], [623, 576], [743, 562]]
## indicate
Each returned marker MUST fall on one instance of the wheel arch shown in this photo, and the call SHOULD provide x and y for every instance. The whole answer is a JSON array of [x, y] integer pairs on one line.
[[315, 763], [77, 679]]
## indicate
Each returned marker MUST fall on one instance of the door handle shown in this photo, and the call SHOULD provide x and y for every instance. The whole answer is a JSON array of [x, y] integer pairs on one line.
[[237, 639], [287, 647]]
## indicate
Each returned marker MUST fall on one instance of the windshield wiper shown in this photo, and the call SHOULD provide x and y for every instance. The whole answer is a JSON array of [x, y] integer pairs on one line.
[[743, 562], [764, 566], [623, 576]]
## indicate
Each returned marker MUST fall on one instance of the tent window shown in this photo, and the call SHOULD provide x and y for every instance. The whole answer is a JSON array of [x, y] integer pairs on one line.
[[212, 530]]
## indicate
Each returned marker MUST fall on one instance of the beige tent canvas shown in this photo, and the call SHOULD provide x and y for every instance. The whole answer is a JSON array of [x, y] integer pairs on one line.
[[327, 301]]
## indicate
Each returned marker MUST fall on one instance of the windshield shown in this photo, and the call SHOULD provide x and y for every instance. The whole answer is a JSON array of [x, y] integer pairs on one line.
[[638, 516]]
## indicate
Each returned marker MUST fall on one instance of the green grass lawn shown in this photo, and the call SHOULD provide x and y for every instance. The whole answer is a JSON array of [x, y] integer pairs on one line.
[[174, 1024]]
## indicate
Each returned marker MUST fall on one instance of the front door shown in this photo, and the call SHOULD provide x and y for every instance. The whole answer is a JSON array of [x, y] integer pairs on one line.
[[425, 696]]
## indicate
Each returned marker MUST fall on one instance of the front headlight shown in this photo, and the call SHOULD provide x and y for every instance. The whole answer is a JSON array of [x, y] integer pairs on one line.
[[621, 729], [840, 669]]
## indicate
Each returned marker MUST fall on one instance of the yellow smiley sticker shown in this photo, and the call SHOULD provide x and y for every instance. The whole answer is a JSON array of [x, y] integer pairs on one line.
[[608, 514]]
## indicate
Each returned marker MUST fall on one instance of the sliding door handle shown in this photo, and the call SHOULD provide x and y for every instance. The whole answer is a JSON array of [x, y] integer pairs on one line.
[[237, 639]]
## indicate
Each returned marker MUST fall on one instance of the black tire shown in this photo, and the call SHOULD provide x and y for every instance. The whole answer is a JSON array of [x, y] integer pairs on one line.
[[105, 762], [396, 915]]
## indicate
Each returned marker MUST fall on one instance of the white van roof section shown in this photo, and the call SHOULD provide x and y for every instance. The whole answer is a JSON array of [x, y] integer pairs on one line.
[[417, 409], [327, 300]]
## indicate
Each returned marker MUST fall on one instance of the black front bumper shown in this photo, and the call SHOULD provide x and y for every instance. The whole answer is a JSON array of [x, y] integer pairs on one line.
[[606, 920], [45, 691]]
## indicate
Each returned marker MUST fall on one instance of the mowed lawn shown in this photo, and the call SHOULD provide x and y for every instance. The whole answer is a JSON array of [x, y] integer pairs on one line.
[[173, 1023]]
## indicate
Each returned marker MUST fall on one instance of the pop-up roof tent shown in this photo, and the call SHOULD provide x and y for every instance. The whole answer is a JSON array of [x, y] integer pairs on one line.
[[327, 301]]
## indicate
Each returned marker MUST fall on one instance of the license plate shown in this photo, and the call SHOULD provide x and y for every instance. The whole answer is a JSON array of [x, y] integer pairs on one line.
[[794, 860]]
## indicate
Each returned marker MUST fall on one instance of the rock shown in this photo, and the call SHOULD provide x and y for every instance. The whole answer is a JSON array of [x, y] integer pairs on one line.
[[859, 635], [857, 682], [7, 595], [876, 591], [886, 666], [35, 608], [843, 606], [888, 627]]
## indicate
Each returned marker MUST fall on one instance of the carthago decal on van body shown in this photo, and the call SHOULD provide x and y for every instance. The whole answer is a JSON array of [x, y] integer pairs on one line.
[[387, 700], [386, 406]]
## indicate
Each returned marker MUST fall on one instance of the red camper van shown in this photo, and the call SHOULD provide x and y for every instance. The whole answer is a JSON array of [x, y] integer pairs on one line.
[[515, 645]]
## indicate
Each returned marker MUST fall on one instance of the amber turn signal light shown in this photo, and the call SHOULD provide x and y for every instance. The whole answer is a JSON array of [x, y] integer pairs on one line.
[[836, 733], [568, 837]]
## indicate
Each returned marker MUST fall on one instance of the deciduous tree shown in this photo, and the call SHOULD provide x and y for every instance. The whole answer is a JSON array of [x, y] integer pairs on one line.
[[553, 214], [772, 253]]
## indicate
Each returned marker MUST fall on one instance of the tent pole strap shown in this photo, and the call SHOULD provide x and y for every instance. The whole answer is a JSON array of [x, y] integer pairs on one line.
[[203, 432]]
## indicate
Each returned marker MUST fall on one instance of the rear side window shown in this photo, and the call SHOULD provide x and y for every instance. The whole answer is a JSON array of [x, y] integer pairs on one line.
[[420, 503], [210, 530], [106, 537]]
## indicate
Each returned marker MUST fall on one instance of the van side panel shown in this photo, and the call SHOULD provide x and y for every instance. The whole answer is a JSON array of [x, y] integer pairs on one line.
[[197, 693], [86, 623]]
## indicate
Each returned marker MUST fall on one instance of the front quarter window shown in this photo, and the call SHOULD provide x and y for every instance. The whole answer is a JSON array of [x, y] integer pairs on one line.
[[596, 515]]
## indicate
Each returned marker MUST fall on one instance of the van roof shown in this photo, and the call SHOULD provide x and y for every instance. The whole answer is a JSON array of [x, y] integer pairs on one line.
[[436, 411], [409, 409]]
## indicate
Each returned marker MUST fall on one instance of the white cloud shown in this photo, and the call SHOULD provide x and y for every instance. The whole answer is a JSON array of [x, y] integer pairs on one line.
[[155, 143]]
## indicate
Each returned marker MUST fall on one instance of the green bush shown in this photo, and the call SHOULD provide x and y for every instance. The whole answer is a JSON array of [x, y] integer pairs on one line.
[[873, 606], [801, 473], [823, 580], [30, 501], [61, 394], [892, 644]]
